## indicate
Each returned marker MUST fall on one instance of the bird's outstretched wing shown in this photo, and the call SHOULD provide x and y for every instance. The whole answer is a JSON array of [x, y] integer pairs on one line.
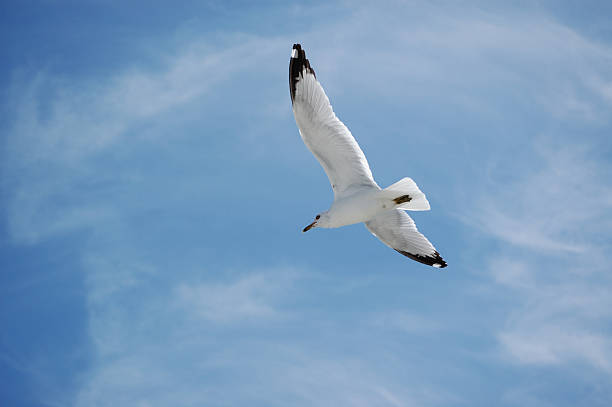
[[323, 133], [397, 230]]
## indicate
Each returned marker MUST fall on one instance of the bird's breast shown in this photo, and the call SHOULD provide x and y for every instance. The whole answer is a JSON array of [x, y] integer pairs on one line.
[[355, 209]]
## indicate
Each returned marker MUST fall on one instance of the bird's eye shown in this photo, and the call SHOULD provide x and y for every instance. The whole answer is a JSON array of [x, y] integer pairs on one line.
[[318, 216]]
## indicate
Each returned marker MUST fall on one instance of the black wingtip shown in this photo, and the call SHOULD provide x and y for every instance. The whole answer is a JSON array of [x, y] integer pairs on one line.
[[297, 64], [434, 260]]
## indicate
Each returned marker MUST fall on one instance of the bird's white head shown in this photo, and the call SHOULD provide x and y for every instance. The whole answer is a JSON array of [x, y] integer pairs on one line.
[[321, 220]]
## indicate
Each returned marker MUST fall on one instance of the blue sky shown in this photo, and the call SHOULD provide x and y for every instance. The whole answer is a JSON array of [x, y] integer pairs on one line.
[[154, 187]]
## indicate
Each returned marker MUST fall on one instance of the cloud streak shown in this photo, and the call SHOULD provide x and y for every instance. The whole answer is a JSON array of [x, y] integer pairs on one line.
[[247, 298], [553, 259], [558, 207], [61, 129]]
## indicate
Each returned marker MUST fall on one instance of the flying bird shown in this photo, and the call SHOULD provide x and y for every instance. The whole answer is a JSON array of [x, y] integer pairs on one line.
[[357, 197]]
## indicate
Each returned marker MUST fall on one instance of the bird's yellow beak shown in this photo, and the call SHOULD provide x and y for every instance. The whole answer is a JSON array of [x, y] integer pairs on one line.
[[307, 228]]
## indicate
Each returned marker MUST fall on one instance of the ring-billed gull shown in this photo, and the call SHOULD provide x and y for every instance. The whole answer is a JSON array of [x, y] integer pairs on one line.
[[357, 197]]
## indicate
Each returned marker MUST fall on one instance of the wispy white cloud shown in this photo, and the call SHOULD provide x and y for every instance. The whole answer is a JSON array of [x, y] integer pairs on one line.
[[473, 60], [562, 318], [143, 338], [561, 323], [249, 297], [58, 120], [191, 345], [405, 321], [558, 207], [553, 259], [350, 382], [550, 346], [59, 129]]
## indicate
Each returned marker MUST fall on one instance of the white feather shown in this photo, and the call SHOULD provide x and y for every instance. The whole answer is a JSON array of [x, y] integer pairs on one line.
[[396, 229], [329, 139]]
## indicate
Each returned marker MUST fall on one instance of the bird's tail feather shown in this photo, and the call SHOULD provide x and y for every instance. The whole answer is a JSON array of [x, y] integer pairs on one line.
[[405, 194]]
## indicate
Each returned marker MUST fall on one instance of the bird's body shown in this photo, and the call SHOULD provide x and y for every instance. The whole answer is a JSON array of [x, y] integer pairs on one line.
[[356, 208], [357, 197]]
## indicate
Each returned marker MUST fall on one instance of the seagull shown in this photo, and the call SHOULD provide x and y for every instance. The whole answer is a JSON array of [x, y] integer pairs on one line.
[[357, 197]]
